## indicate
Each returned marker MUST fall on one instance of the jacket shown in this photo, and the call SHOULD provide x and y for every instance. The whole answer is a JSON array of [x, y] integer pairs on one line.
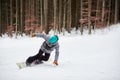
[[48, 47]]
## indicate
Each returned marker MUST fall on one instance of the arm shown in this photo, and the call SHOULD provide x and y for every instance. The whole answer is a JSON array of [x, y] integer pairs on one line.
[[41, 35], [57, 53], [56, 56]]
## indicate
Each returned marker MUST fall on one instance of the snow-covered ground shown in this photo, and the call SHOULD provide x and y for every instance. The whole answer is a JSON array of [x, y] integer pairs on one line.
[[86, 57]]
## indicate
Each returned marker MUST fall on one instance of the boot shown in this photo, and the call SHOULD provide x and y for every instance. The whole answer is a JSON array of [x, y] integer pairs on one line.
[[38, 62]]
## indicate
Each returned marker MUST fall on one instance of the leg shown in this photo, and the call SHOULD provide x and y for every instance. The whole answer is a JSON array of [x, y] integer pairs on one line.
[[46, 57], [33, 58]]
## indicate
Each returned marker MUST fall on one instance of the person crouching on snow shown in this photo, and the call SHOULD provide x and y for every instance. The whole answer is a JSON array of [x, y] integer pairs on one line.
[[47, 47]]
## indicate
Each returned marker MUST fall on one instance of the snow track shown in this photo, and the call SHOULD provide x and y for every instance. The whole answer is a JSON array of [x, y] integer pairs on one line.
[[86, 57]]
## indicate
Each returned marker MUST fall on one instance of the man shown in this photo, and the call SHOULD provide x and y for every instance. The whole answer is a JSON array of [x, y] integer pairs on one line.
[[50, 44]]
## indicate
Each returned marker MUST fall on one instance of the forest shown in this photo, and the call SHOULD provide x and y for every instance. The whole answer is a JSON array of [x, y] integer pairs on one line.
[[30, 16]]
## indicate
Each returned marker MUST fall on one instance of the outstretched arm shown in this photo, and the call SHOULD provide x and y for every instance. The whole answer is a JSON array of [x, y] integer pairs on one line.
[[40, 35]]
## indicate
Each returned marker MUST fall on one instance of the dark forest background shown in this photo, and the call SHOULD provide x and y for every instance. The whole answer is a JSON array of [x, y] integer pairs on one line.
[[29, 16]]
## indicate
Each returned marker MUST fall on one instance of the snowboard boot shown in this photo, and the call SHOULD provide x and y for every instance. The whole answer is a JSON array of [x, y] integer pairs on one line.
[[27, 64], [38, 62]]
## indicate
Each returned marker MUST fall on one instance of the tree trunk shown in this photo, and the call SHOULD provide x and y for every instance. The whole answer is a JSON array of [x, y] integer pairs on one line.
[[108, 22], [55, 15], [41, 9], [103, 10], [60, 16], [21, 16], [45, 16], [116, 11], [29, 13], [69, 16], [81, 26], [0, 17], [97, 11], [6, 13], [89, 16], [11, 11], [64, 16], [16, 18]]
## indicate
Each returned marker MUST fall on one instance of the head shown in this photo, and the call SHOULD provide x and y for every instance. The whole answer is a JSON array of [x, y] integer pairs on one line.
[[53, 39]]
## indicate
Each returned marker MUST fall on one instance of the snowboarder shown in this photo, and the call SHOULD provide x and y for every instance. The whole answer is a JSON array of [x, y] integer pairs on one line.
[[47, 47]]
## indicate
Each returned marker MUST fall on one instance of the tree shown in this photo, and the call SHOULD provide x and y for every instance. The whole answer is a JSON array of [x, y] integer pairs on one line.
[[41, 9], [60, 22], [21, 15], [116, 11], [109, 8], [43, 15], [16, 24], [64, 14], [0, 17], [89, 16], [55, 15], [103, 10], [81, 11], [69, 16]]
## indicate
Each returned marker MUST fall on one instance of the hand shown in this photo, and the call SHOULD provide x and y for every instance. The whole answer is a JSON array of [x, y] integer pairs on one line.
[[33, 35], [55, 62]]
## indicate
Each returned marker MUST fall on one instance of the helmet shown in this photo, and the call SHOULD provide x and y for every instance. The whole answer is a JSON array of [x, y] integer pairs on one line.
[[53, 39]]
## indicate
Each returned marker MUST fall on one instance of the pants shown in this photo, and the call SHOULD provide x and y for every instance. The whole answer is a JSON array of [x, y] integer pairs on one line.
[[39, 57]]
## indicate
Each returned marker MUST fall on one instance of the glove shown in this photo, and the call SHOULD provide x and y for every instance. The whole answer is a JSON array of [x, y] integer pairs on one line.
[[55, 62], [33, 35]]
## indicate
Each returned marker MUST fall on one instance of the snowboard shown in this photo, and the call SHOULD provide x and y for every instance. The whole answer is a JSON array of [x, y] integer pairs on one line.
[[21, 65]]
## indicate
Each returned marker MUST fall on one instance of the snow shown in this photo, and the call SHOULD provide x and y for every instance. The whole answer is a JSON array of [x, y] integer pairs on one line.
[[86, 57]]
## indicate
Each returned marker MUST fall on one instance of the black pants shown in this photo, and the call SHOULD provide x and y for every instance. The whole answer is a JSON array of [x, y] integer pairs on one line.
[[40, 56]]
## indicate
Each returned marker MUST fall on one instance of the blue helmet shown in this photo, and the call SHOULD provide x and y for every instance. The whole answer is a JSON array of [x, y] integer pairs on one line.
[[53, 39]]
